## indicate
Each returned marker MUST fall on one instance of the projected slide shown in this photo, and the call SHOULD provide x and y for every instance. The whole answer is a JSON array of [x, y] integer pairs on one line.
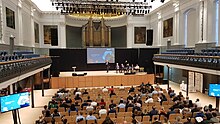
[[214, 90], [100, 55], [15, 101]]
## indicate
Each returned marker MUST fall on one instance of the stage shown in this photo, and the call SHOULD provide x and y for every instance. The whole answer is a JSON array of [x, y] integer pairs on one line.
[[99, 79], [97, 73]]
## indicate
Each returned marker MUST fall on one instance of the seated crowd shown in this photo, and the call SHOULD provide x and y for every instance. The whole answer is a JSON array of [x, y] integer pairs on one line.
[[145, 104]]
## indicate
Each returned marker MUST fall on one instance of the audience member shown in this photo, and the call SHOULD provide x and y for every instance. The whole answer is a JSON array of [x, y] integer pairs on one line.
[[45, 110], [121, 104], [80, 117], [112, 105], [104, 89], [178, 120], [85, 92], [78, 98], [112, 110], [55, 113], [102, 103], [131, 89], [84, 104], [89, 108], [153, 112], [107, 120], [91, 117], [214, 118], [188, 121], [88, 99], [121, 87], [198, 103], [156, 121], [102, 110], [112, 93], [149, 100], [111, 89], [40, 120]]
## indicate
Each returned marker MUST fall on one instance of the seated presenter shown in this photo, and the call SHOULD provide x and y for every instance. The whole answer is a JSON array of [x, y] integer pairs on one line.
[[122, 68], [136, 68]]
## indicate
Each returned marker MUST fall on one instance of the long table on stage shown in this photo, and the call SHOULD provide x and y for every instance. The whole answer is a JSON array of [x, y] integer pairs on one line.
[[100, 80]]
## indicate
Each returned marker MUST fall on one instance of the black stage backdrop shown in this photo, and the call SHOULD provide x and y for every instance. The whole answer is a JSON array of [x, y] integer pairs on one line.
[[78, 57]]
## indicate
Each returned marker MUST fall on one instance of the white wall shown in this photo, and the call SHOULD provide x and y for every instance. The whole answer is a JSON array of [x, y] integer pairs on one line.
[[26, 13]]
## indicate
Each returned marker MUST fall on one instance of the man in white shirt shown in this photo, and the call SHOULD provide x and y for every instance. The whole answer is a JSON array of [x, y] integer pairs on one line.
[[80, 117], [121, 104], [104, 89], [94, 103], [121, 87], [89, 108], [90, 117], [102, 110], [149, 100], [198, 103], [78, 92]]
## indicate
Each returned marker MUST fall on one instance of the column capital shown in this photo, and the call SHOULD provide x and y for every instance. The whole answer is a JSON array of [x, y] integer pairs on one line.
[[176, 6], [32, 11], [159, 15], [20, 3]]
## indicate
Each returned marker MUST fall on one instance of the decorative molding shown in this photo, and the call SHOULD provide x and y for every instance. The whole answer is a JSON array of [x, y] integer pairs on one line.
[[159, 15], [176, 6], [20, 3]]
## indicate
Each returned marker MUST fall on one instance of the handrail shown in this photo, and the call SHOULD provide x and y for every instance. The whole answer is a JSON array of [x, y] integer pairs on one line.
[[15, 68], [195, 56], [22, 60]]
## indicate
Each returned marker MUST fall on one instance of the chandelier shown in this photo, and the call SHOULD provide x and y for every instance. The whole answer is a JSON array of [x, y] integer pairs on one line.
[[101, 8]]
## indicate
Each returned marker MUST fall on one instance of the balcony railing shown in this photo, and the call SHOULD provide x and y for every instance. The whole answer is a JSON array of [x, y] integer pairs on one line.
[[11, 69], [208, 62]]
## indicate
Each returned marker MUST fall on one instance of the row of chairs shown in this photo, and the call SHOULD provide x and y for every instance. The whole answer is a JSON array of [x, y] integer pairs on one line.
[[179, 51], [3, 53]]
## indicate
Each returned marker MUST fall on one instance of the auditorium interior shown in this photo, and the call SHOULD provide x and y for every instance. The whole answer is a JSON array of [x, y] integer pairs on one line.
[[109, 61]]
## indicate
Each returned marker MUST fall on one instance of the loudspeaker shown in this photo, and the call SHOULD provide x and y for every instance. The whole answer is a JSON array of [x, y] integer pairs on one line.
[[149, 37], [131, 73], [55, 66], [54, 36], [74, 74]]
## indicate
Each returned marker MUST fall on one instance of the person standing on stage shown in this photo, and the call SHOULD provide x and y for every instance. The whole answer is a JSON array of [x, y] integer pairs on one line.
[[107, 65], [117, 67]]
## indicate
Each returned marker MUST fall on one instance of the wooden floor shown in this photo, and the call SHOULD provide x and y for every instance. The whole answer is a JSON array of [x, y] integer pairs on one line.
[[96, 73], [29, 115]]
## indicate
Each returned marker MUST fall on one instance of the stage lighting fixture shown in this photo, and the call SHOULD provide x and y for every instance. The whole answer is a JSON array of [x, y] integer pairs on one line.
[[100, 6]]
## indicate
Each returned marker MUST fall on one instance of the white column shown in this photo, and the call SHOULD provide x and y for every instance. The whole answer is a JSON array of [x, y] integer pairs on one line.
[[176, 24], [201, 18], [1, 23], [218, 42], [20, 24], [62, 35], [205, 21], [32, 28], [160, 35], [159, 28], [130, 33]]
